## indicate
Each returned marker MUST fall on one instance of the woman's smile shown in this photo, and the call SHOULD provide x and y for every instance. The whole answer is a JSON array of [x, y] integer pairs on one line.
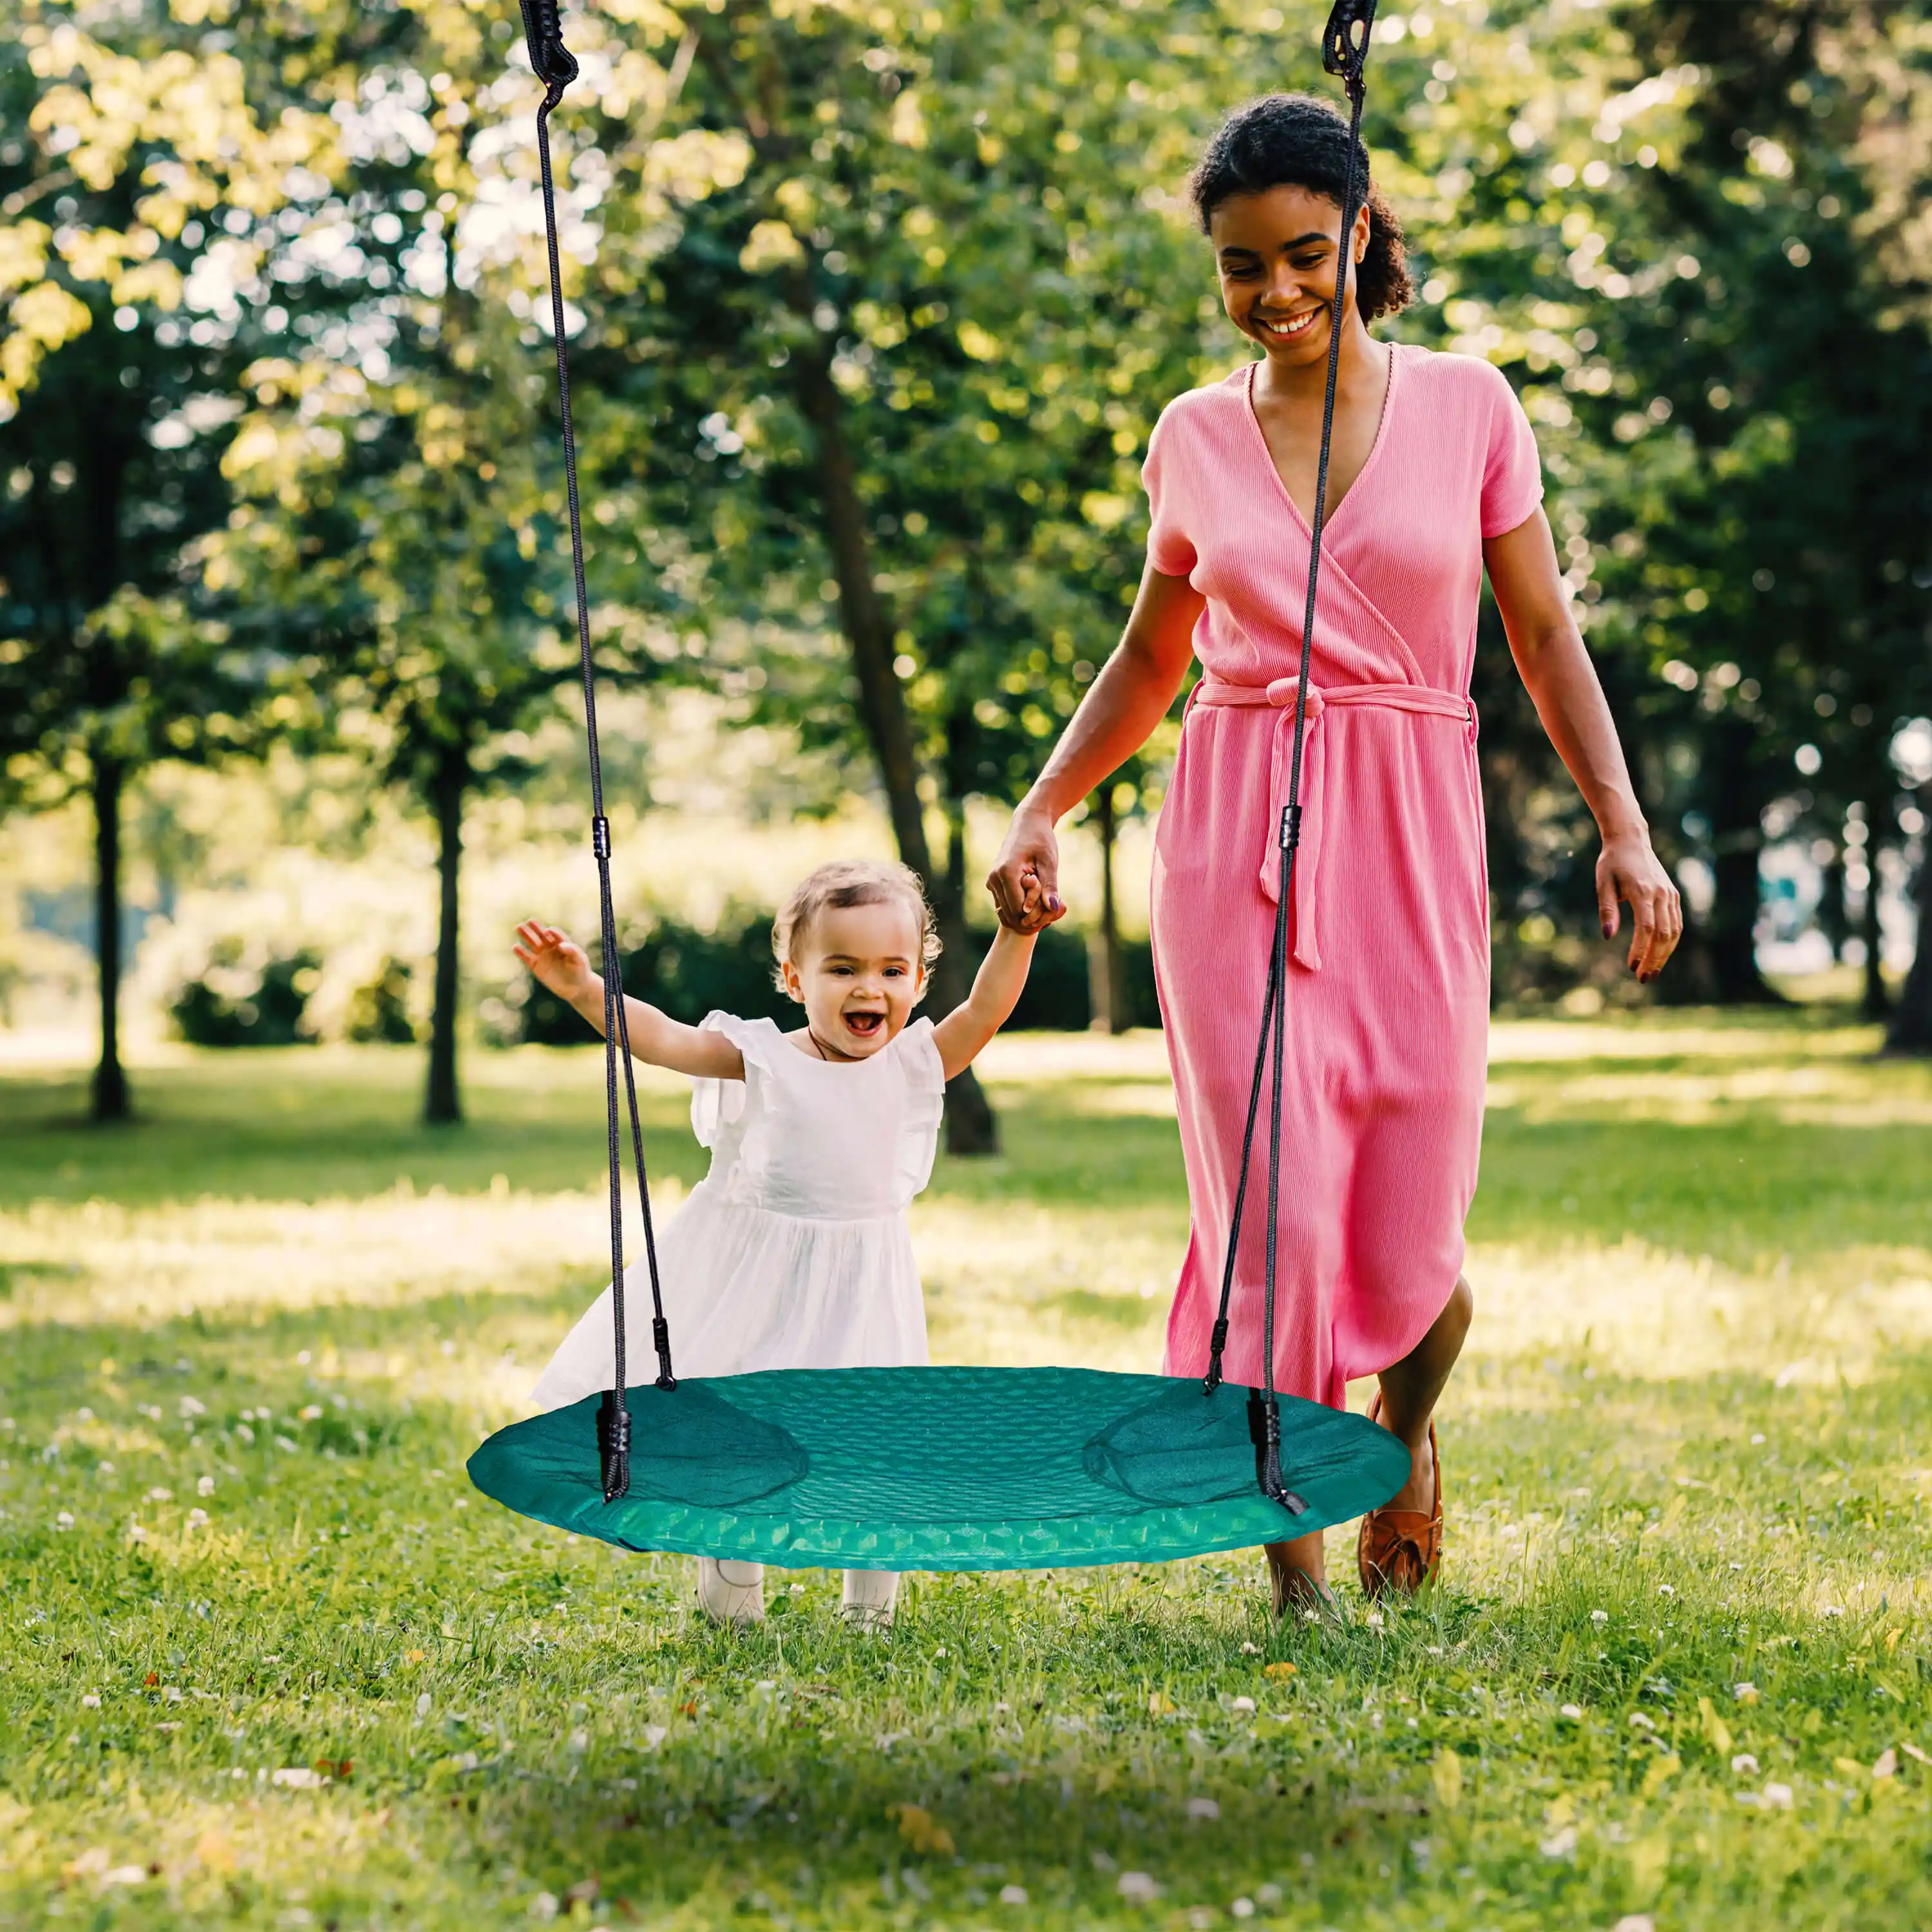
[[1287, 326]]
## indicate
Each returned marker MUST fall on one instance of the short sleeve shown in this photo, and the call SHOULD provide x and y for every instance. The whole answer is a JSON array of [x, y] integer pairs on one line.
[[716, 1104], [917, 1053], [1512, 471], [1170, 549]]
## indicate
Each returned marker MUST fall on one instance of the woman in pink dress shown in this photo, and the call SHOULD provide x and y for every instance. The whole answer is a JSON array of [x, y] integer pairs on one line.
[[1433, 479]]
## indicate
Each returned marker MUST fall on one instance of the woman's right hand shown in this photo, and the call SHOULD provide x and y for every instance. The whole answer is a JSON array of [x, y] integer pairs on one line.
[[1024, 881], [555, 960]]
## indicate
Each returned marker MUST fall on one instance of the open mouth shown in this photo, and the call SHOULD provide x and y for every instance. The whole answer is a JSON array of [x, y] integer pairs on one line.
[[866, 1026], [1285, 328]]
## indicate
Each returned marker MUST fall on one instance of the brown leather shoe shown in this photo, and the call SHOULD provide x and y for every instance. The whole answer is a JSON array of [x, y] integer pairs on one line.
[[1399, 1551]]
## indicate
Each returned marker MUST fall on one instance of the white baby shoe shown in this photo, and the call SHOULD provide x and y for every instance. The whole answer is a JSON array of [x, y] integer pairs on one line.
[[730, 1592]]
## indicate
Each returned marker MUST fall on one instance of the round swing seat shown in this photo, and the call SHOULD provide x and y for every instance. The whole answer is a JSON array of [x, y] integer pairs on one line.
[[941, 1469]]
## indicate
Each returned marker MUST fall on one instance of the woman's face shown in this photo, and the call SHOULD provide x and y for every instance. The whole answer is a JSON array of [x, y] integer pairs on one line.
[[1275, 254]]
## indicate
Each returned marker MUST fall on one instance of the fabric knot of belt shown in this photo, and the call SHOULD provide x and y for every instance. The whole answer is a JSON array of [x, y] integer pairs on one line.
[[1420, 700]]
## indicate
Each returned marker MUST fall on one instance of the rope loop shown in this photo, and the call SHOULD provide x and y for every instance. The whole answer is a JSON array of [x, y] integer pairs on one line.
[[1344, 51]]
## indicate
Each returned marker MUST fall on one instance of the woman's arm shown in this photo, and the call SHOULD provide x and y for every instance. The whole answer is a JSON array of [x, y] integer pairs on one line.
[[1556, 671], [1117, 717], [556, 960], [997, 987]]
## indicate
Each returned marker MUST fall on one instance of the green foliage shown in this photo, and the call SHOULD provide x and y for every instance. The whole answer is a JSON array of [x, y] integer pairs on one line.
[[239, 1002]]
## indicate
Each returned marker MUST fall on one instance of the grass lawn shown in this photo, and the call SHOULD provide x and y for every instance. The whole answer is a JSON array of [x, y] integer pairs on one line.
[[265, 1660]]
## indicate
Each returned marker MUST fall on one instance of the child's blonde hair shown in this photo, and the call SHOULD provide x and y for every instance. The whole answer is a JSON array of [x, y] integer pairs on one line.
[[851, 882]]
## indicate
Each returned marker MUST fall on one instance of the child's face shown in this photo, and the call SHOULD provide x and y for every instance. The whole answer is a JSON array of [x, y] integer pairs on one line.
[[858, 976]]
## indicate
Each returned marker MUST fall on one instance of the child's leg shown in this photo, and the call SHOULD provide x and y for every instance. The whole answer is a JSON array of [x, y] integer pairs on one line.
[[731, 1592], [869, 1597]]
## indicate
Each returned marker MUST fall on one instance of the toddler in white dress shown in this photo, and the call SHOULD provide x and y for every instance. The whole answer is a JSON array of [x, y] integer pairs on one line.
[[793, 1252]]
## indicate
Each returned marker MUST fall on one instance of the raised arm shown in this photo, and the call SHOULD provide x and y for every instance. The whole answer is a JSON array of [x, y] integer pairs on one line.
[[1556, 671], [996, 990], [557, 961], [1117, 717]]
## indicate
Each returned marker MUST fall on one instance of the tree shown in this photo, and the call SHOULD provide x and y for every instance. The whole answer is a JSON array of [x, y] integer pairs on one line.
[[114, 410]]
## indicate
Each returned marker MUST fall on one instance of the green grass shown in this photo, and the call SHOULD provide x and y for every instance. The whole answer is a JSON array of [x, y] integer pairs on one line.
[[1691, 1451]]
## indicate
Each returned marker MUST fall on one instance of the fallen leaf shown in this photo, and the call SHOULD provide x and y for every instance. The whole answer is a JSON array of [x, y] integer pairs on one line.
[[1160, 1704], [922, 1831], [1278, 1672], [1887, 1765]]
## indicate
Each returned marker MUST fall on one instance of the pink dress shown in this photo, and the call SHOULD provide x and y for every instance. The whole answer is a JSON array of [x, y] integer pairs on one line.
[[1388, 986]]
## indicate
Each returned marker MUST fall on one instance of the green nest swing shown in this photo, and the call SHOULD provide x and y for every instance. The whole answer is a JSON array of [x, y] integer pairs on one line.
[[938, 1469]]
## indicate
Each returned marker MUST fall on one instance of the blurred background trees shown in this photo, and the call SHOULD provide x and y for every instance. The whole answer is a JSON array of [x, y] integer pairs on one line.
[[873, 306]]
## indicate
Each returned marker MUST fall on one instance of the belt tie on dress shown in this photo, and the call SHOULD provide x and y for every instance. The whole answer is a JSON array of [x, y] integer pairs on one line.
[[1420, 699]]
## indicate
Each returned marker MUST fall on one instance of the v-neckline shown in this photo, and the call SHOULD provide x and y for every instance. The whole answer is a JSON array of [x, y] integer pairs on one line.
[[1368, 462]]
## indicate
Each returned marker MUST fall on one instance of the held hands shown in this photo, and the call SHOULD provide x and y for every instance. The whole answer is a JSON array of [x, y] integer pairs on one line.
[[1629, 869], [1024, 881], [555, 960]]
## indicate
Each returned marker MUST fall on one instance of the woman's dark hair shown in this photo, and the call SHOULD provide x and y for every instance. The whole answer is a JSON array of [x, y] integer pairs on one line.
[[1293, 140]]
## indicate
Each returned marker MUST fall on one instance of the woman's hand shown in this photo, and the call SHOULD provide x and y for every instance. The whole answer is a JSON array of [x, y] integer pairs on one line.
[[555, 960], [1629, 869], [1024, 881]]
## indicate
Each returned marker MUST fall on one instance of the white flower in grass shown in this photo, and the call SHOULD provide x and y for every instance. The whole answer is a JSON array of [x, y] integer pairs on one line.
[[1251, 1650], [91, 1702], [1777, 1796], [103, 1469], [580, 1741], [158, 1495], [1242, 1704], [1639, 1722], [64, 1520], [313, 1413], [188, 1408], [423, 1704], [204, 1486], [1757, 1440], [1745, 1693], [1242, 1908], [1560, 1844], [1137, 1887], [1574, 1712], [1744, 1765], [544, 1906], [298, 1777], [1012, 1895], [125, 1875], [1600, 1616], [1373, 1620], [1666, 1590], [283, 1442], [247, 1434], [197, 1519], [654, 1735], [1636, 1921], [1834, 1610], [1203, 1808]]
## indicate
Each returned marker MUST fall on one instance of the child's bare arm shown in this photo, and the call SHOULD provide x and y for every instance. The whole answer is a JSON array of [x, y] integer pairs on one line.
[[556, 960], [996, 990]]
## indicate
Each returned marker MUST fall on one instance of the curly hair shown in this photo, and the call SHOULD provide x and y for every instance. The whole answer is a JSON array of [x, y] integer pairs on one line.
[[850, 882], [1293, 140]]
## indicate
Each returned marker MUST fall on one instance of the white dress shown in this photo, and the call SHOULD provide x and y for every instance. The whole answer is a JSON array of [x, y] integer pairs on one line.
[[793, 1252]]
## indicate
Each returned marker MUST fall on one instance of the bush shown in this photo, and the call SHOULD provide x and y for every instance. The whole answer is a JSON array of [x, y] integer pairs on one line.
[[379, 1012], [238, 1001]]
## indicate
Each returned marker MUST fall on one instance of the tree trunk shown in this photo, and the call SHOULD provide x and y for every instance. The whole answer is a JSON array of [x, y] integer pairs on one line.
[[1911, 1029], [971, 1127], [1729, 938], [1107, 993], [110, 1098], [442, 1102], [1873, 1005]]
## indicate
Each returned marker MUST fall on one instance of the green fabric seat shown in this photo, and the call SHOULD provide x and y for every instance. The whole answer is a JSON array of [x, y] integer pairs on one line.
[[941, 1469]]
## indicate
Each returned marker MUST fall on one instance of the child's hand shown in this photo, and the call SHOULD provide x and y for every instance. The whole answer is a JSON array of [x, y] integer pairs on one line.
[[555, 960]]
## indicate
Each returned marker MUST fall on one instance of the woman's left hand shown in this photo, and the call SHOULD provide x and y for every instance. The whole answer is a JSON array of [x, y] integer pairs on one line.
[[1629, 868]]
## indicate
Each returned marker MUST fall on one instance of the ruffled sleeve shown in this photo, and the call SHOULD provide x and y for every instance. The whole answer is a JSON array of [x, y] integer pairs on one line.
[[917, 1054], [716, 1104]]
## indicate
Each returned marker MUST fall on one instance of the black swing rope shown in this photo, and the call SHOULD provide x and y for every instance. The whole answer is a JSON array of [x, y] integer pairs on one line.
[[554, 66], [1344, 52]]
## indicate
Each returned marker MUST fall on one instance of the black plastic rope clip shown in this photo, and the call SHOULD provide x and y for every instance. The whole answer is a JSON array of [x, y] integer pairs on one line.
[[1291, 827], [600, 836], [1216, 1344], [1343, 51], [661, 1341], [613, 1445], [1264, 1431], [550, 60]]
